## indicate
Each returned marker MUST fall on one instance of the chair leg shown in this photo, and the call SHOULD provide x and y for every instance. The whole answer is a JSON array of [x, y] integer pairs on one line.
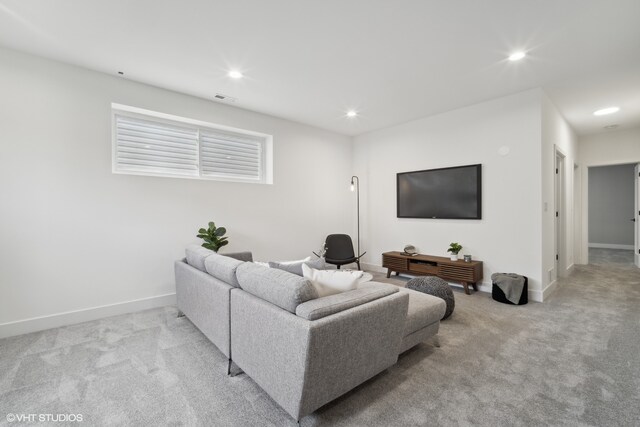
[[229, 368], [180, 314], [338, 266], [358, 264]]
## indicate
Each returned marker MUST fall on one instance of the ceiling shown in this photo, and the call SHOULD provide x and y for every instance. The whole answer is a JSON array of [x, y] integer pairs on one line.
[[311, 61]]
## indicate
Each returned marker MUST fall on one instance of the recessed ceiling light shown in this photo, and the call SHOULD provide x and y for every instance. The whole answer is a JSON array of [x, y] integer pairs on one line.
[[605, 111], [235, 74], [121, 73], [516, 56], [351, 113], [611, 127]]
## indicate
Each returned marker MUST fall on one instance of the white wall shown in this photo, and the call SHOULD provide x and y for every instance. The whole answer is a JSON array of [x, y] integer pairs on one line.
[[508, 237], [611, 206], [556, 134], [75, 236], [607, 148]]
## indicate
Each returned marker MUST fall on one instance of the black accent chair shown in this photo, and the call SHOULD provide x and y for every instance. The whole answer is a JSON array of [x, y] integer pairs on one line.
[[339, 250]]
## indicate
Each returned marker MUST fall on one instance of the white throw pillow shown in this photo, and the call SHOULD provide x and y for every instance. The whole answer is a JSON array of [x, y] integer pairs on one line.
[[299, 261], [329, 282]]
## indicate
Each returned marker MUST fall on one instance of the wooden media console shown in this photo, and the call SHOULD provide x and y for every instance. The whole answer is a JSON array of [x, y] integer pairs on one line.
[[467, 273]]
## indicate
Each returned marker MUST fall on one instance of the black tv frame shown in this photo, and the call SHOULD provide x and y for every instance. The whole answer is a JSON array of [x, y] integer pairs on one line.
[[478, 168]]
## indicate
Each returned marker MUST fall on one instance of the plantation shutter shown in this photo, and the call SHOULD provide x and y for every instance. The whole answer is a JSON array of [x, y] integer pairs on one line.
[[155, 147], [232, 155]]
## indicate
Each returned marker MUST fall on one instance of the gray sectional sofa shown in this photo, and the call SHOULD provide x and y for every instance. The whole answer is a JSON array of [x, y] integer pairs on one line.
[[304, 351]]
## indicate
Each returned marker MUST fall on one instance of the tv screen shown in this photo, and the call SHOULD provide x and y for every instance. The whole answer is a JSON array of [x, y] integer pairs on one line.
[[447, 193]]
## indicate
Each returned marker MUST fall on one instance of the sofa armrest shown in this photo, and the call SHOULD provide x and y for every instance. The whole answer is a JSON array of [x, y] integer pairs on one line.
[[305, 364], [205, 301], [332, 304]]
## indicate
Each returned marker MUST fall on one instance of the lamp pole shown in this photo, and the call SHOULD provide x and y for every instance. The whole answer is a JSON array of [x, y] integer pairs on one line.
[[355, 185]]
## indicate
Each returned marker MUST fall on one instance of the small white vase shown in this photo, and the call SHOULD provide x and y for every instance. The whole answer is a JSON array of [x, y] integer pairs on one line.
[[454, 257]]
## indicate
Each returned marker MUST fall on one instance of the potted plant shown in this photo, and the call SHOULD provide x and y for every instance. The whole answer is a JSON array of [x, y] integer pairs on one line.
[[212, 237], [454, 248]]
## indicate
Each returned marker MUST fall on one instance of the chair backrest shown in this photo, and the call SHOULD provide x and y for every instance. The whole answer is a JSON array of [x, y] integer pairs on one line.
[[339, 246]]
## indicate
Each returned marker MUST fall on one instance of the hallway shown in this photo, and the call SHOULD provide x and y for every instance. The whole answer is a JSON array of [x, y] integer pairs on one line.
[[612, 257]]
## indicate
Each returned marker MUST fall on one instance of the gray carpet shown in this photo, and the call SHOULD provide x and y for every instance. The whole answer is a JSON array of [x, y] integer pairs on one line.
[[570, 361], [602, 256]]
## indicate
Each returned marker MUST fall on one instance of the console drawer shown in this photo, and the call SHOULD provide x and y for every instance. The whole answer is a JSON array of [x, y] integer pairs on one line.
[[423, 268]]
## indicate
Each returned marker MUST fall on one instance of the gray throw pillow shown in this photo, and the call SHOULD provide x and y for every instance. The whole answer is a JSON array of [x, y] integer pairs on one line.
[[296, 267], [278, 287]]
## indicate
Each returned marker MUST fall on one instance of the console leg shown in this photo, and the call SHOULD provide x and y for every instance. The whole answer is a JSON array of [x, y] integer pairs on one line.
[[397, 273], [475, 286], [388, 273], [466, 288]]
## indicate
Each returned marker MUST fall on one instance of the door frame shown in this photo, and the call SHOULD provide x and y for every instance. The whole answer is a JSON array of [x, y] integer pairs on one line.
[[577, 213], [560, 213], [584, 250], [636, 215]]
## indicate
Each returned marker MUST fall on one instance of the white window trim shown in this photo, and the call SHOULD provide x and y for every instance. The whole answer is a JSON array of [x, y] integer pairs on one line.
[[140, 113]]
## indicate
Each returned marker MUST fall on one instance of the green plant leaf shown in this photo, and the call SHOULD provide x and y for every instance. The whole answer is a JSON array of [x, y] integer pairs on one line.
[[212, 237]]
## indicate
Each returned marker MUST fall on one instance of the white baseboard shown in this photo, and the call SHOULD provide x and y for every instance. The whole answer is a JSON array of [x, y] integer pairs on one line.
[[41, 323], [373, 267], [482, 287], [610, 246], [570, 269], [534, 295], [550, 289]]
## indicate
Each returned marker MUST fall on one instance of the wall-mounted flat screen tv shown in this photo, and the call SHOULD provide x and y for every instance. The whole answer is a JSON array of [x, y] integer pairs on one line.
[[447, 193]]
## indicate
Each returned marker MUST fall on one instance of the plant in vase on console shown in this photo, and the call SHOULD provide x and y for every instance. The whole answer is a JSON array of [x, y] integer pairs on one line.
[[212, 237], [454, 248]]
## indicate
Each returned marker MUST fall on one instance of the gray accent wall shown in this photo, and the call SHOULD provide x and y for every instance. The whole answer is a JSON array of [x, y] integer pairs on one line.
[[611, 204]]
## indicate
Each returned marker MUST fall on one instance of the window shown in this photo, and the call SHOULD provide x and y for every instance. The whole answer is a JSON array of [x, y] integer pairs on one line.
[[149, 143]]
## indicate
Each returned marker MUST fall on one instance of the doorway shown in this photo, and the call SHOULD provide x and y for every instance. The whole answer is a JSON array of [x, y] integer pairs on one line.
[[612, 215]]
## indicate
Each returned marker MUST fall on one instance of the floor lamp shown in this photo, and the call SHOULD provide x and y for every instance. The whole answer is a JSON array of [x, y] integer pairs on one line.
[[355, 186]]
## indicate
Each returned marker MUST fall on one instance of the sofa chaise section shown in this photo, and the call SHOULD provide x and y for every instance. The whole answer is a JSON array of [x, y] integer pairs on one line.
[[423, 318]]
